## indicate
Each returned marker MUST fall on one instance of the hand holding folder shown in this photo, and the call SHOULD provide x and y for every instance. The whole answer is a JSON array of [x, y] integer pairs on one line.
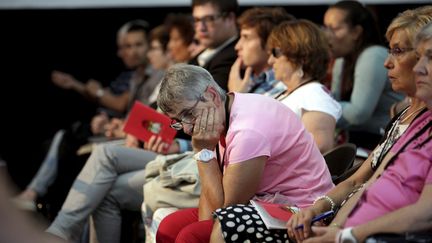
[[143, 122]]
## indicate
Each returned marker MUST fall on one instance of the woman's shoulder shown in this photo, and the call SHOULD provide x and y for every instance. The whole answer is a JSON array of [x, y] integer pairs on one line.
[[371, 60], [315, 88], [374, 50]]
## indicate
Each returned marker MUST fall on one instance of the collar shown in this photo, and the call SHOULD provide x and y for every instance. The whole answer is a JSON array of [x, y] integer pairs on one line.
[[209, 53]]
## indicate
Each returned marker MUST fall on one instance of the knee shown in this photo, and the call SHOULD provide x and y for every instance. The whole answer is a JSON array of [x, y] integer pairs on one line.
[[165, 232], [102, 154]]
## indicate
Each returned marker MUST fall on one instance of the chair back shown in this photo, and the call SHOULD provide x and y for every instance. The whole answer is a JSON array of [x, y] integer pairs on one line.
[[340, 159]]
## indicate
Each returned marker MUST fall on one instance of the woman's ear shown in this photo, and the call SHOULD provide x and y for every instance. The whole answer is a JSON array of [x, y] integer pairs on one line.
[[211, 94], [357, 31]]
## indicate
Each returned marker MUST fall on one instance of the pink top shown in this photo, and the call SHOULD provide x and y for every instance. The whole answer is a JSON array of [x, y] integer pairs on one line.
[[402, 182], [295, 169]]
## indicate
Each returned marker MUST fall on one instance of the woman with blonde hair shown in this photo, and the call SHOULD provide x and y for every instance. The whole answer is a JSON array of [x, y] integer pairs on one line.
[[381, 174]]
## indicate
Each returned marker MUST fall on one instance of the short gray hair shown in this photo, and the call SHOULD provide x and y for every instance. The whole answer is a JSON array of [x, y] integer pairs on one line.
[[424, 34], [185, 82]]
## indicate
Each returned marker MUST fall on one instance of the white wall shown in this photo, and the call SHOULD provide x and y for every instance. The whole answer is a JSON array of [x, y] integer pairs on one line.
[[17, 4]]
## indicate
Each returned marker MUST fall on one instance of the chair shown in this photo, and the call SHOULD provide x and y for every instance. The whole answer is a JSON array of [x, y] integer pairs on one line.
[[340, 159], [347, 173]]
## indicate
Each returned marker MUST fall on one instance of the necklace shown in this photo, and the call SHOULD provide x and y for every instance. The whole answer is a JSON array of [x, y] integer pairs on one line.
[[411, 114], [285, 93]]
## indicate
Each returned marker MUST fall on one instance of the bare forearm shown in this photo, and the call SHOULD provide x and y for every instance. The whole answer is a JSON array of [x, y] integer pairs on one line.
[[343, 189], [212, 194], [79, 87], [337, 194], [407, 219], [114, 102]]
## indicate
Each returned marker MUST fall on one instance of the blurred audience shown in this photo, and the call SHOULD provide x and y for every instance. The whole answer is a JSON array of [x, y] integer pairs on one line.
[[300, 59], [360, 81], [62, 158], [113, 177], [216, 30], [258, 77]]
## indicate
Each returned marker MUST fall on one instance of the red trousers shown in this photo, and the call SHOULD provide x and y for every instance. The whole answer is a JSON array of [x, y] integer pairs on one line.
[[183, 226]]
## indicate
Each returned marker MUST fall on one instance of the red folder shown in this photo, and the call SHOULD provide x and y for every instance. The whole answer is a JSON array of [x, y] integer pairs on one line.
[[144, 122]]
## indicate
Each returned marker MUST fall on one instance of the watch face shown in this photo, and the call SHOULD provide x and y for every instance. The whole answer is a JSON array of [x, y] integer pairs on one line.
[[347, 236], [204, 155]]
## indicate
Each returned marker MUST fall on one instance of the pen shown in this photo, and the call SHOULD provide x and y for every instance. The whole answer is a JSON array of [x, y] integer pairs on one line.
[[317, 218]]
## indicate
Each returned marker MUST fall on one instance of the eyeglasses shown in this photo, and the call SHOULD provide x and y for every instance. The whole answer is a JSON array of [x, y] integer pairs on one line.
[[398, 51], [208, 19], [276, 52], [186, 118]]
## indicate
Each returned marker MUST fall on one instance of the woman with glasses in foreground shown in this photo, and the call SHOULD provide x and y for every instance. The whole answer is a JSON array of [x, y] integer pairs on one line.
[[391, 191], [247, 146]]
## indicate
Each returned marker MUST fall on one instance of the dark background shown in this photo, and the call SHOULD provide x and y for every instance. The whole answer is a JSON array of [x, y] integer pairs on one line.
[[82, 42]]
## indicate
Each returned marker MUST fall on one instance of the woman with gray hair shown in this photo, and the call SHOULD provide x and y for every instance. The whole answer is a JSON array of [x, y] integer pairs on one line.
[[247, 146]]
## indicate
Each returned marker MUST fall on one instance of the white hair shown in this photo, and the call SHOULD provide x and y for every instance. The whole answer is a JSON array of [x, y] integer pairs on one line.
[[185, 82]]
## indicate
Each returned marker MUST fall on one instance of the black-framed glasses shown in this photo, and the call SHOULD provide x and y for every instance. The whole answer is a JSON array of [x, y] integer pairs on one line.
[[208, 19], [399, 51], [276, 52], [186, 117]]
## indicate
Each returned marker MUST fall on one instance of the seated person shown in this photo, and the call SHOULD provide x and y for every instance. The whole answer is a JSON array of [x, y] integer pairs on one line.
[[360, 81], [256, 25], [62, 154], [300, 59], [240, 156], [406, 206], [112, 179], [400, 35]]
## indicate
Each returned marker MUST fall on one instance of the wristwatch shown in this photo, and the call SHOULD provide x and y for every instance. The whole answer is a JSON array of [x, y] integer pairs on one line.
[[100, 93], [205, 155], [346, 236]]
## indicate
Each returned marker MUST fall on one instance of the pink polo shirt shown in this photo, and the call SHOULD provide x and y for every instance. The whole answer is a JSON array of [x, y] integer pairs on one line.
[[402, 182], [295, 169]]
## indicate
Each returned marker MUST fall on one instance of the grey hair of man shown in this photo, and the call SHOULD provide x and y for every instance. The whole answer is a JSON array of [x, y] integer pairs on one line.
[[424, 34], [133, 26], [183, 82]]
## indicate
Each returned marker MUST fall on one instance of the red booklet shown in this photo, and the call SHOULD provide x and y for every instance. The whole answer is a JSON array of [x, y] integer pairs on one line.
[[273, 215], [144, 122]]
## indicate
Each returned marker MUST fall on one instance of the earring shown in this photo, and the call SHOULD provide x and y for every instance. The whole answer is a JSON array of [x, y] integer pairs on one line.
[[300, 72]]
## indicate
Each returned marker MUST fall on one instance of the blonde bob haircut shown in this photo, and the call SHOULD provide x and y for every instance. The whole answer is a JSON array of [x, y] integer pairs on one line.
[[304, 44], [410, 21]]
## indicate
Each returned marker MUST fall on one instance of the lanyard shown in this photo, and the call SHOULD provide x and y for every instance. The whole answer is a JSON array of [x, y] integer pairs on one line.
[[222, 162]]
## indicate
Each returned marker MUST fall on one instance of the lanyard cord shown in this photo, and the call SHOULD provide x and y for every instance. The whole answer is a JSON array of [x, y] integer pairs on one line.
[[222, 162], [416, 135]]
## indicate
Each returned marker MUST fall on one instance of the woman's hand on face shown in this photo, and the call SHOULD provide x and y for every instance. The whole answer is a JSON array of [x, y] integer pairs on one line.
[[303, 217], [207, 130]]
